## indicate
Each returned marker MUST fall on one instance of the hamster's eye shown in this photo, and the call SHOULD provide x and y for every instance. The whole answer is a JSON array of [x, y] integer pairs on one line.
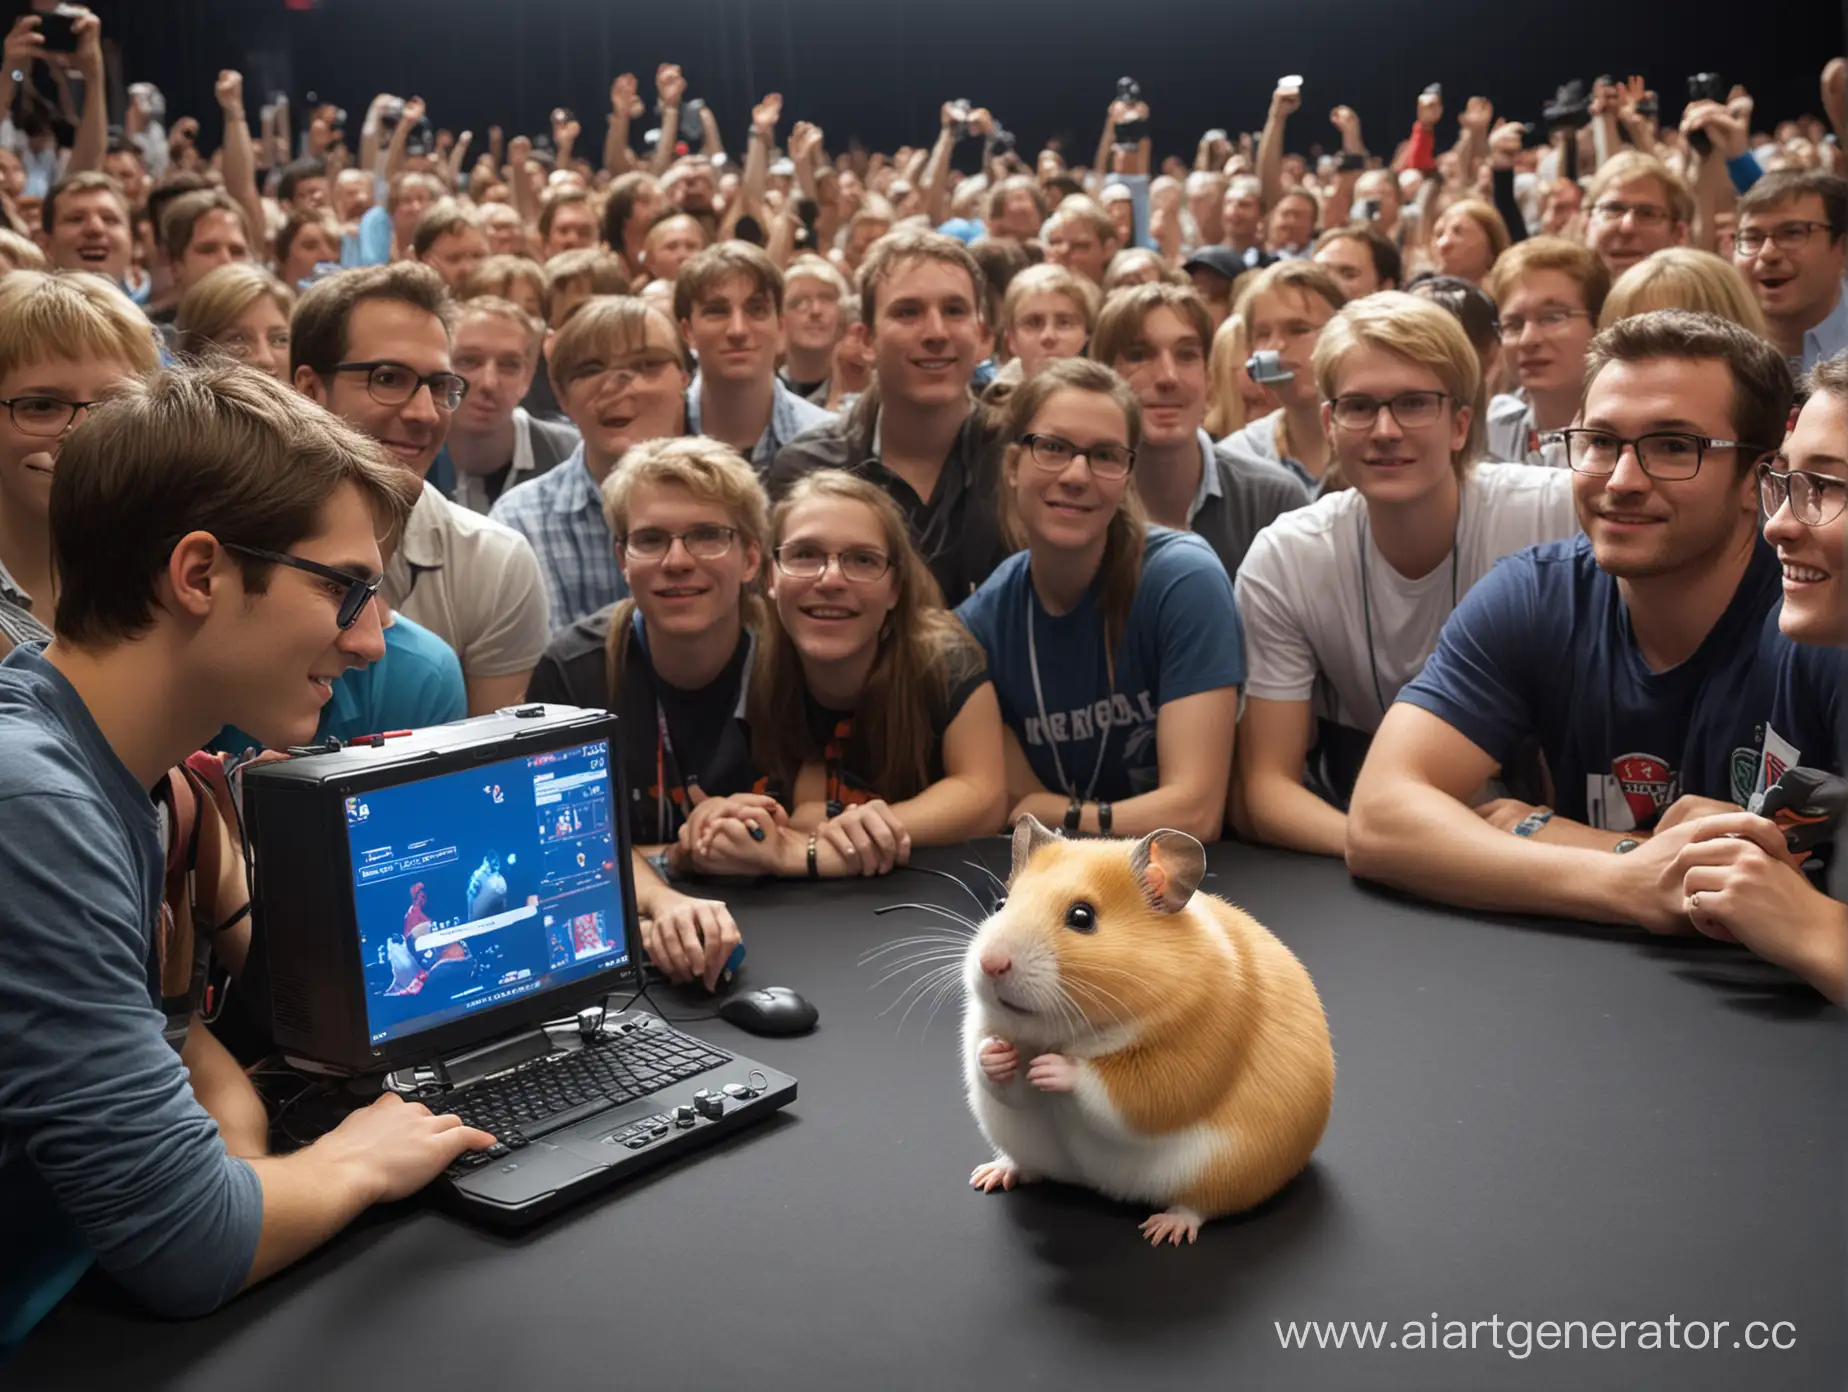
[[999, 904], [1081, 918]]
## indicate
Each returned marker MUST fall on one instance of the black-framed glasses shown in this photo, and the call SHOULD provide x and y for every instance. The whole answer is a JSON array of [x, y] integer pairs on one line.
[[1814, 499], [44, 416], [803, 560], [1786, 236], [706, 542], [1412, 410], [1661, 454], [360, 589], [1547, 320], [394, 383], [1055, 453], [1643, 214]]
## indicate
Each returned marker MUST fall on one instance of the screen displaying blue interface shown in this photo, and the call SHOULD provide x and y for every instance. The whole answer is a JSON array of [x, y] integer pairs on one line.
[[477, 887]]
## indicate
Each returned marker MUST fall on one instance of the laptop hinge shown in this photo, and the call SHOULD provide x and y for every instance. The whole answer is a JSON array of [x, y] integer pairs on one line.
[[472, 1066]]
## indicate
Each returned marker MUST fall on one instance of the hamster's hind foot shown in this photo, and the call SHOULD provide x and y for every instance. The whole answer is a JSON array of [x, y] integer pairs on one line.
[[1003, 1174], [1173, 1225]]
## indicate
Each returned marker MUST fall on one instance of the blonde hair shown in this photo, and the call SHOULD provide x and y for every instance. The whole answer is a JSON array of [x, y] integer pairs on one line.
[[22, 253], [907, 689], [710, 472], [1079, 208], [601, 325], [497, 274], [1632, 165], [219, 298], [1225, 411], [1484, 215], [1571, 259], [494, 307], [1302, 277], [809, 266], [1422, 333], [1683, 278], [74, 317], [1052, 280]]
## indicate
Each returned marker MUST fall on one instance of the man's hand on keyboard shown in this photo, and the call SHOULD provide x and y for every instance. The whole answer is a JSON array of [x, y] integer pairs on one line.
[[398, 1146], [688, 937]]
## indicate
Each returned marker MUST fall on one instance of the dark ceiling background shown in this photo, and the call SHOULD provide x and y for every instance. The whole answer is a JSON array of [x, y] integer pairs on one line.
[[877, 69]]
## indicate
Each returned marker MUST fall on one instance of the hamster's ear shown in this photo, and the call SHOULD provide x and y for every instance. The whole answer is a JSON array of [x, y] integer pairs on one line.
[[1029, 835], [1169, 866]]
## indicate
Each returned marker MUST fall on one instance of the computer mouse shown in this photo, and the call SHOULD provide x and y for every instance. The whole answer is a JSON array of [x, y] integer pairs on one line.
[[769, 1010]]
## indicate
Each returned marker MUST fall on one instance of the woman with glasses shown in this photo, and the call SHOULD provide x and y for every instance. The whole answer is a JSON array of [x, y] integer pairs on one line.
[[1115, 647], [873, 715], [1548, 292], [1738, 875], [242, 311], [65, 343], [1344, 600]]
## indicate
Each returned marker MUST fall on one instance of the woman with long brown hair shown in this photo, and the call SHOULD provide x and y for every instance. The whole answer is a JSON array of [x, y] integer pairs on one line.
[[1115, 647], [873, 714]]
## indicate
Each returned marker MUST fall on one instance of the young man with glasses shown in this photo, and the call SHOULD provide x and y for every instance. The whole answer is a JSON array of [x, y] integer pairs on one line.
[[1740, 880], [372, 346], [1343, 600], [728, 300], [1642, 658], [1791, 244], [212, 534], [620, 373], [1549, 293], [813, 324], [1636, 205]]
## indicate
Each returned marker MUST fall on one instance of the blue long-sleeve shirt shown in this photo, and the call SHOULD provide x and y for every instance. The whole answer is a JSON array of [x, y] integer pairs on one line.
[[105, 1154]]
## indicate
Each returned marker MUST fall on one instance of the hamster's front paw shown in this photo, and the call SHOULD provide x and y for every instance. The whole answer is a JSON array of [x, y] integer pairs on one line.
[[1053, 1073], [1173, 1225], [1002, 1173], [999, 1060]]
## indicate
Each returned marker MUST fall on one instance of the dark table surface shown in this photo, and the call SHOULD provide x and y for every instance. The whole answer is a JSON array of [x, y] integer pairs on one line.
[[1531, 1122]]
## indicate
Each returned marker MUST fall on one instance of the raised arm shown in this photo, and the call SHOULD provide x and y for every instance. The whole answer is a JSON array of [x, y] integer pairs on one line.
[[92, 141], [240, 159], [368, 135], [1504, 145], [625, 106], [756, 172], [670, 87], [1270, 144], [1340, 204], [400, 137], [936, 177]]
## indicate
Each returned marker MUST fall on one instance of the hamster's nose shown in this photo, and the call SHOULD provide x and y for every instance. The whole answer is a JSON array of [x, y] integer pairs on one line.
[[996, 963]]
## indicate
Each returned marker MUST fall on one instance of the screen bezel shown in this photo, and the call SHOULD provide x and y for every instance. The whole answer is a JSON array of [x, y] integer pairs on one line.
[[525, 1011]]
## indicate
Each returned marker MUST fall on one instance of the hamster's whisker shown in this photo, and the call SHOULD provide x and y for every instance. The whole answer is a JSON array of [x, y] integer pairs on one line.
[[935, 979], [938, 909], [945, 989], [955, 880], [994, 879], [921, 984], [896, 943], [913, 963]]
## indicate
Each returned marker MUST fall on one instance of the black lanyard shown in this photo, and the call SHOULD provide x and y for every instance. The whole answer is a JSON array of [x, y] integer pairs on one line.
[[669, 812]]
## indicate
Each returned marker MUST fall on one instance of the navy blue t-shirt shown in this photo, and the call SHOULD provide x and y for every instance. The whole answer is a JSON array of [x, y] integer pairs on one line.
[[1183, 637], [1541, 649]]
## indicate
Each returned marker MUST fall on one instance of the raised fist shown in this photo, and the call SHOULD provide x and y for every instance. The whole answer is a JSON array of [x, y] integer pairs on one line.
[[230, 90], [767, 113], [623, 98], [1477, 113], [670, 86]]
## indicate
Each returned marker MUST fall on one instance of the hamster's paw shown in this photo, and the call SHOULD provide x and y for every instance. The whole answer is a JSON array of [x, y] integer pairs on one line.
[[1172, 1225], [1053, 1073], [1003, 1174], [999, 1060]]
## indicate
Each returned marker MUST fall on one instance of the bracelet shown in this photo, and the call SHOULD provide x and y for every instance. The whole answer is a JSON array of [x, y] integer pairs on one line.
[[1072, 815], [1625, 846], [1533, 821], [814, 870], [1103, 818]]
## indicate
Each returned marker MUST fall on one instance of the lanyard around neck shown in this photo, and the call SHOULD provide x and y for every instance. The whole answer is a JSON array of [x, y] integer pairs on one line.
[[1039, 698]]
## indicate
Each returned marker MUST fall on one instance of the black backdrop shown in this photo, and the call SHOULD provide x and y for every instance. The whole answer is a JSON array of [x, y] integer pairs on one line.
[[877, 69]]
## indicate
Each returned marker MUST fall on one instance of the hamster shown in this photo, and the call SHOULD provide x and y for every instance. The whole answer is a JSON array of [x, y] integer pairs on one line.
[[1127, 1034]]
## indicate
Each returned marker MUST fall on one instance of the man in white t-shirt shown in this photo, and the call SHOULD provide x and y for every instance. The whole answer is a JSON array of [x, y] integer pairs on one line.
[[1343, 600]]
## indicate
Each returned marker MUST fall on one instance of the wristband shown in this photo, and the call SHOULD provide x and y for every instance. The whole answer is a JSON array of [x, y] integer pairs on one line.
[[814, 870], [1350, 163], [663, 864], [1529, 825], [1103, 818], [1072, 815]]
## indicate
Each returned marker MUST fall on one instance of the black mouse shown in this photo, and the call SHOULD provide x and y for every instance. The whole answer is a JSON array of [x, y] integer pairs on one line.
[[769, 1010]]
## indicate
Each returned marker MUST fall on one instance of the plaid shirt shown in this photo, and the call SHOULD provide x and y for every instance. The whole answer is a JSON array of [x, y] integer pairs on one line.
[[561, 514], [790, 415]]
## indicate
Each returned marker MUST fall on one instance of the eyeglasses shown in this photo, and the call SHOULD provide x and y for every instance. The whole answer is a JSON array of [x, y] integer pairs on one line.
[[44, 416], [1786, 236], [1662, 454], [1412, 409], [801, 560], [360, 589], [1814, 498], [1547, 320], [705, 542], [393, 383], [1643, 214], [624, 374], [1055, 453]]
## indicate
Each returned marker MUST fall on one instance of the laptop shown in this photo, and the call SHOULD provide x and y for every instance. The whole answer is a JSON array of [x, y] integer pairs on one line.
[[447, 910]]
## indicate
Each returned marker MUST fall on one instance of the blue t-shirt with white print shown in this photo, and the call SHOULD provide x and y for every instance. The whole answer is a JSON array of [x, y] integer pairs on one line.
[[1183, 637], [1541, 649]]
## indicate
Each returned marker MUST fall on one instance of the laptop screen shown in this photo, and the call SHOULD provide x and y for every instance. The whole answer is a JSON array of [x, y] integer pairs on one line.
[[477, 887]]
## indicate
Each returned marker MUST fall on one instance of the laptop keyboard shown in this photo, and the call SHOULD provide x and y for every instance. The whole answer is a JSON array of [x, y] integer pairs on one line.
[[549, 1094]]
